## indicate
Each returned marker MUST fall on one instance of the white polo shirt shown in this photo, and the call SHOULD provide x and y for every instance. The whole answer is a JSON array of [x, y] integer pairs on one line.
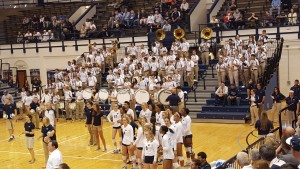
[[54, 160]]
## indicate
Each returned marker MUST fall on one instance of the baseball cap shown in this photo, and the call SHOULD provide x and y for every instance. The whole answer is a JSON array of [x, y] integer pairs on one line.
[[294, 142]]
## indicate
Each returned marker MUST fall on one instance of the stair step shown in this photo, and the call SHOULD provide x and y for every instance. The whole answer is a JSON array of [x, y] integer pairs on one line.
[[222, 115], [226, 108]]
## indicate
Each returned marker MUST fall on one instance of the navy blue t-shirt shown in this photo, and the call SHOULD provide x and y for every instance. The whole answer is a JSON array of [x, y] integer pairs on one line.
[[9, 109], [290, 100], [46, 129], [173, 99], [29, 127], [266, 131], [261, 93], [97, 119], [89, 115]]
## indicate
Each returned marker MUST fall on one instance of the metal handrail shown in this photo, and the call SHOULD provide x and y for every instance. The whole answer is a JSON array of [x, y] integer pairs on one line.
[[280, 113]]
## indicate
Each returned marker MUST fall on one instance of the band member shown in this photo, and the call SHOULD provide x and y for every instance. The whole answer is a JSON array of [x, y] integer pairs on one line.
[[55, 103], [97, 126], [190, 71], [9, 113], [113, 98], [46, 97], [79, 104], [221, 71], [59, 87], [166, 147], [68, 99], [29, 134], [204, 50], [187, 135], [88, 123], [195, 59], [27, 101], [115, 118]]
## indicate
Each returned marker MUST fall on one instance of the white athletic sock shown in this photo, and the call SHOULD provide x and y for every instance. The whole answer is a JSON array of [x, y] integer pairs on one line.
[[188, 160]]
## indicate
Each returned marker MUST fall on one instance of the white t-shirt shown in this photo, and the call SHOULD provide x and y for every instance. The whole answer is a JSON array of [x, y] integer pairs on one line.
[[54, 160], [51, 115], [128, 134], [147, 113]]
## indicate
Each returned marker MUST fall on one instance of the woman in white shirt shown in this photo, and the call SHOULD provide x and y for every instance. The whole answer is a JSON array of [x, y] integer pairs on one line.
[[145, 112], [173, 139], [149, 153], [179, 138], [115, 117], [139, 142], [166, 147], [127, 142]]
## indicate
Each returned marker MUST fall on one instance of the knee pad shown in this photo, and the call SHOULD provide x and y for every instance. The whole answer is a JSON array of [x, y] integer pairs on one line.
[[132, 158], [124, 158], [113, 141], [180, 158], [188, 149]]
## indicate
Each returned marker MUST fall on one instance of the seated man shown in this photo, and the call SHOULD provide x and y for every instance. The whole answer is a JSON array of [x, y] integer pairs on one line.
[[233, 95], [252, 20], [221, 94]]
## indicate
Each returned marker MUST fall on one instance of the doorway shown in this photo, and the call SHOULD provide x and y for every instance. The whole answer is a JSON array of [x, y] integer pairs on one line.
[[21, 78]]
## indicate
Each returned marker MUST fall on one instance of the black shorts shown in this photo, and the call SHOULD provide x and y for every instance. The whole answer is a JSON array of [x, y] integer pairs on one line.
[[149, 159], [140, 148], [189, 136], [125, 145], [117, 127]]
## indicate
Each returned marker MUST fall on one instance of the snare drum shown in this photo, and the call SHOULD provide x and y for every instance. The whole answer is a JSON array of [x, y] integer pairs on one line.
[[123, 95], [87, 93], [72, 106], [19, 104], [103, 94], [61, 105], [141, 96], [163, 95]]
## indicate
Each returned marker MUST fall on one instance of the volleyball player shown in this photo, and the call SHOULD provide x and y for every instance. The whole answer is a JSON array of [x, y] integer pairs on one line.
[[115, 117], [178, 138], [48, 134], [97, 126], [149, 153], [159, 108], [166, 147], [145, 112], [34, 105], [173, 140], [127, 142], [29, 133], [187, 134], [10, 111], [139, 142], [88, 123]]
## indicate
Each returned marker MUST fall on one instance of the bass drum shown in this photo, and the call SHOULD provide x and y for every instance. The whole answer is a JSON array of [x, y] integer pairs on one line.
[[123, 95], [87, 93], [103, 94], [163, 95], [141, 96]]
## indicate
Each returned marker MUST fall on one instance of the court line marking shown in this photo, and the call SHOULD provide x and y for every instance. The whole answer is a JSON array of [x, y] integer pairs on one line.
[[239, 138], [75, 157]]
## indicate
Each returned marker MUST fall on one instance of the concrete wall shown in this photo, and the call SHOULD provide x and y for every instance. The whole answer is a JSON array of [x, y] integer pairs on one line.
[[89, 15], [289, 65], [78, 13], [199, 14]]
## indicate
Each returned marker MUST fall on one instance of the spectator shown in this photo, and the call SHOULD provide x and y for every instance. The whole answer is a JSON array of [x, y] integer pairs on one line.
[[233, 95], [228, 19], [215, 22], [132, 18], [291, 99], [158, 19], [174, 5], [276, 4], [175, 16], [92, 30], [277, 98], [203, 163], [45, 36], [196, 163], [268, 21], [28, 36], [288, 166], [238, 18], [263, 125], [282, 19], [284, 151], [294, 142], [286, 4], [125, 17], [25, 23], [292, 17], [268, 154], [156, 7], [20, 37], [143, 17], [261, 164], [252, 20], [184, 8], [232, 5], [83, 31], [243, 160], [254, 156], [63, 166], [150, 20], [55, 158], [167, 26], [221, 94]]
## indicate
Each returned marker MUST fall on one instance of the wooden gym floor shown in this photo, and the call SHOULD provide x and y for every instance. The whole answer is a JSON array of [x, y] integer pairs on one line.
[[219, 141]]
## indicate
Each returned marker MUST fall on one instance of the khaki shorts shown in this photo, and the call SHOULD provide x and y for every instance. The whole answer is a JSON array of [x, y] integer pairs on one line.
[[29, 142], [10, 123]]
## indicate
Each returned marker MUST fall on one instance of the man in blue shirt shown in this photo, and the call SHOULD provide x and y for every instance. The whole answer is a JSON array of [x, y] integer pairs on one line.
[[9, 113], [174, 100], [233, 95], [276, 4], [296, 88]]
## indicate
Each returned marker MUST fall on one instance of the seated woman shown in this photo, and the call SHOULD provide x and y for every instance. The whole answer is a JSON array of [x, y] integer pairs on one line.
[[263, 125], [292, 18]]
